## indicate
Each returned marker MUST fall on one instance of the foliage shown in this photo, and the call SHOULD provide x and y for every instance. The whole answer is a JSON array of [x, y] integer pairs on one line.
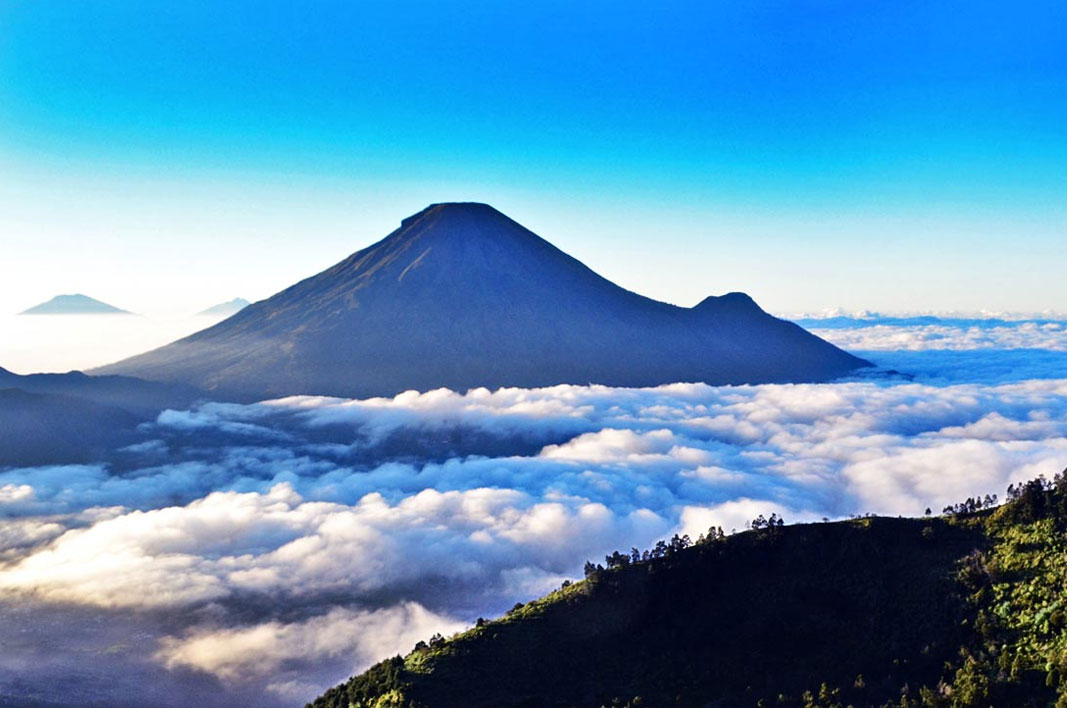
[[966, 610]]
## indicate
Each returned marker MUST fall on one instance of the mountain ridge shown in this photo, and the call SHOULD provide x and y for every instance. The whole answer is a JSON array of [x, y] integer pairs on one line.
[[53, 428], [135, 396], [73, 417]]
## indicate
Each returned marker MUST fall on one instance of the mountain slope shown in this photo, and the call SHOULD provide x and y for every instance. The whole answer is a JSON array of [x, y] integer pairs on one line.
[[958, 611], [140, 398], [59, 418], [74, 305], [462, 296], [42, 428]]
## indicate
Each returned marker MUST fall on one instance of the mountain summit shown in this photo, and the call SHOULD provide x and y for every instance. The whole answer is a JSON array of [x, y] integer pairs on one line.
[[74, 305], [462, 296]]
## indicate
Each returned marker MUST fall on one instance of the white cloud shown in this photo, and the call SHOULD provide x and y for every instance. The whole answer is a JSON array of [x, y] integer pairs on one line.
[[270, 510], [949, 336], [734, 515], [230, 544], [284, 524], [261, 652]]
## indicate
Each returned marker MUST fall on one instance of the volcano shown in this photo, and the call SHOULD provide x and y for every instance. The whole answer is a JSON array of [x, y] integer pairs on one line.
[[461, 296]]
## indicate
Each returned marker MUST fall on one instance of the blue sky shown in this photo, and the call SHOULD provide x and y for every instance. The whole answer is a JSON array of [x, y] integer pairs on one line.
[[884, 155]]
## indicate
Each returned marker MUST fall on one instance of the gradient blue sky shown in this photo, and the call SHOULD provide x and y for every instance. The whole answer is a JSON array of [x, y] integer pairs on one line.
[[885, 155]]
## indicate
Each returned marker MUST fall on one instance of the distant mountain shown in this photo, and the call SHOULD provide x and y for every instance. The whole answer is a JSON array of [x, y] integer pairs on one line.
[[461, 296], [141, 398], [225, 309], [57, 418], [74, 305], [963, 610], [43, 428]]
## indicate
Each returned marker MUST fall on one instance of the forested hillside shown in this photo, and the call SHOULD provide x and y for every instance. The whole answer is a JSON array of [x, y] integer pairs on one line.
[[962, 609]]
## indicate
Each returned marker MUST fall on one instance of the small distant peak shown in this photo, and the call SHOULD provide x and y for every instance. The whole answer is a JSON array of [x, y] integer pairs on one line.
[[227, 308], [730, 302], [76, 304]]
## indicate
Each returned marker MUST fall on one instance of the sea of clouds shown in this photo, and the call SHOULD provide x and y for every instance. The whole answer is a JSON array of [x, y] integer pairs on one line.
[[260, 553]]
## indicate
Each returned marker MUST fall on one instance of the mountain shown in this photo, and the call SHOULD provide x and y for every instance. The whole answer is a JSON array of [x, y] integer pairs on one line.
[[141, 398], [461, 296], [74, 305], [41, 428], [225, 309], [72, 417], [959, 611]]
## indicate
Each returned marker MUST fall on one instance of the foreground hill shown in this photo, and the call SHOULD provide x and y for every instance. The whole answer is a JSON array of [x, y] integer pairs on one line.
[[461, 296], [961, 610], [74, 305]]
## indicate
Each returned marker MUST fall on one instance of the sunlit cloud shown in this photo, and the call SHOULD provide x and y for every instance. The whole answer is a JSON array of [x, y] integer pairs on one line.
[[301, 539], [880, 337], [263, 652]]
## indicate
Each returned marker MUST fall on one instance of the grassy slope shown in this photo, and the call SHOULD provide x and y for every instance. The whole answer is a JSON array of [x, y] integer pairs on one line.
[[960, 611]]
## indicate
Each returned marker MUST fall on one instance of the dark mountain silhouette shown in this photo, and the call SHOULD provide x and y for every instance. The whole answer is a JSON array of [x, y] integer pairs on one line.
[[72, 417], [43, 428], [74, 305], [141, 398], [462, 296], [225, 309]]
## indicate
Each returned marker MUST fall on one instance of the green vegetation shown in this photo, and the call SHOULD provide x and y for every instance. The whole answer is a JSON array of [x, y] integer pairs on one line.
[[966, 610]]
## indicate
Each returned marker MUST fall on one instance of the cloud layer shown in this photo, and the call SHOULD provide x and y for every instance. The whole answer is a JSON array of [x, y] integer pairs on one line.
[[948, 335], [275, 548]]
